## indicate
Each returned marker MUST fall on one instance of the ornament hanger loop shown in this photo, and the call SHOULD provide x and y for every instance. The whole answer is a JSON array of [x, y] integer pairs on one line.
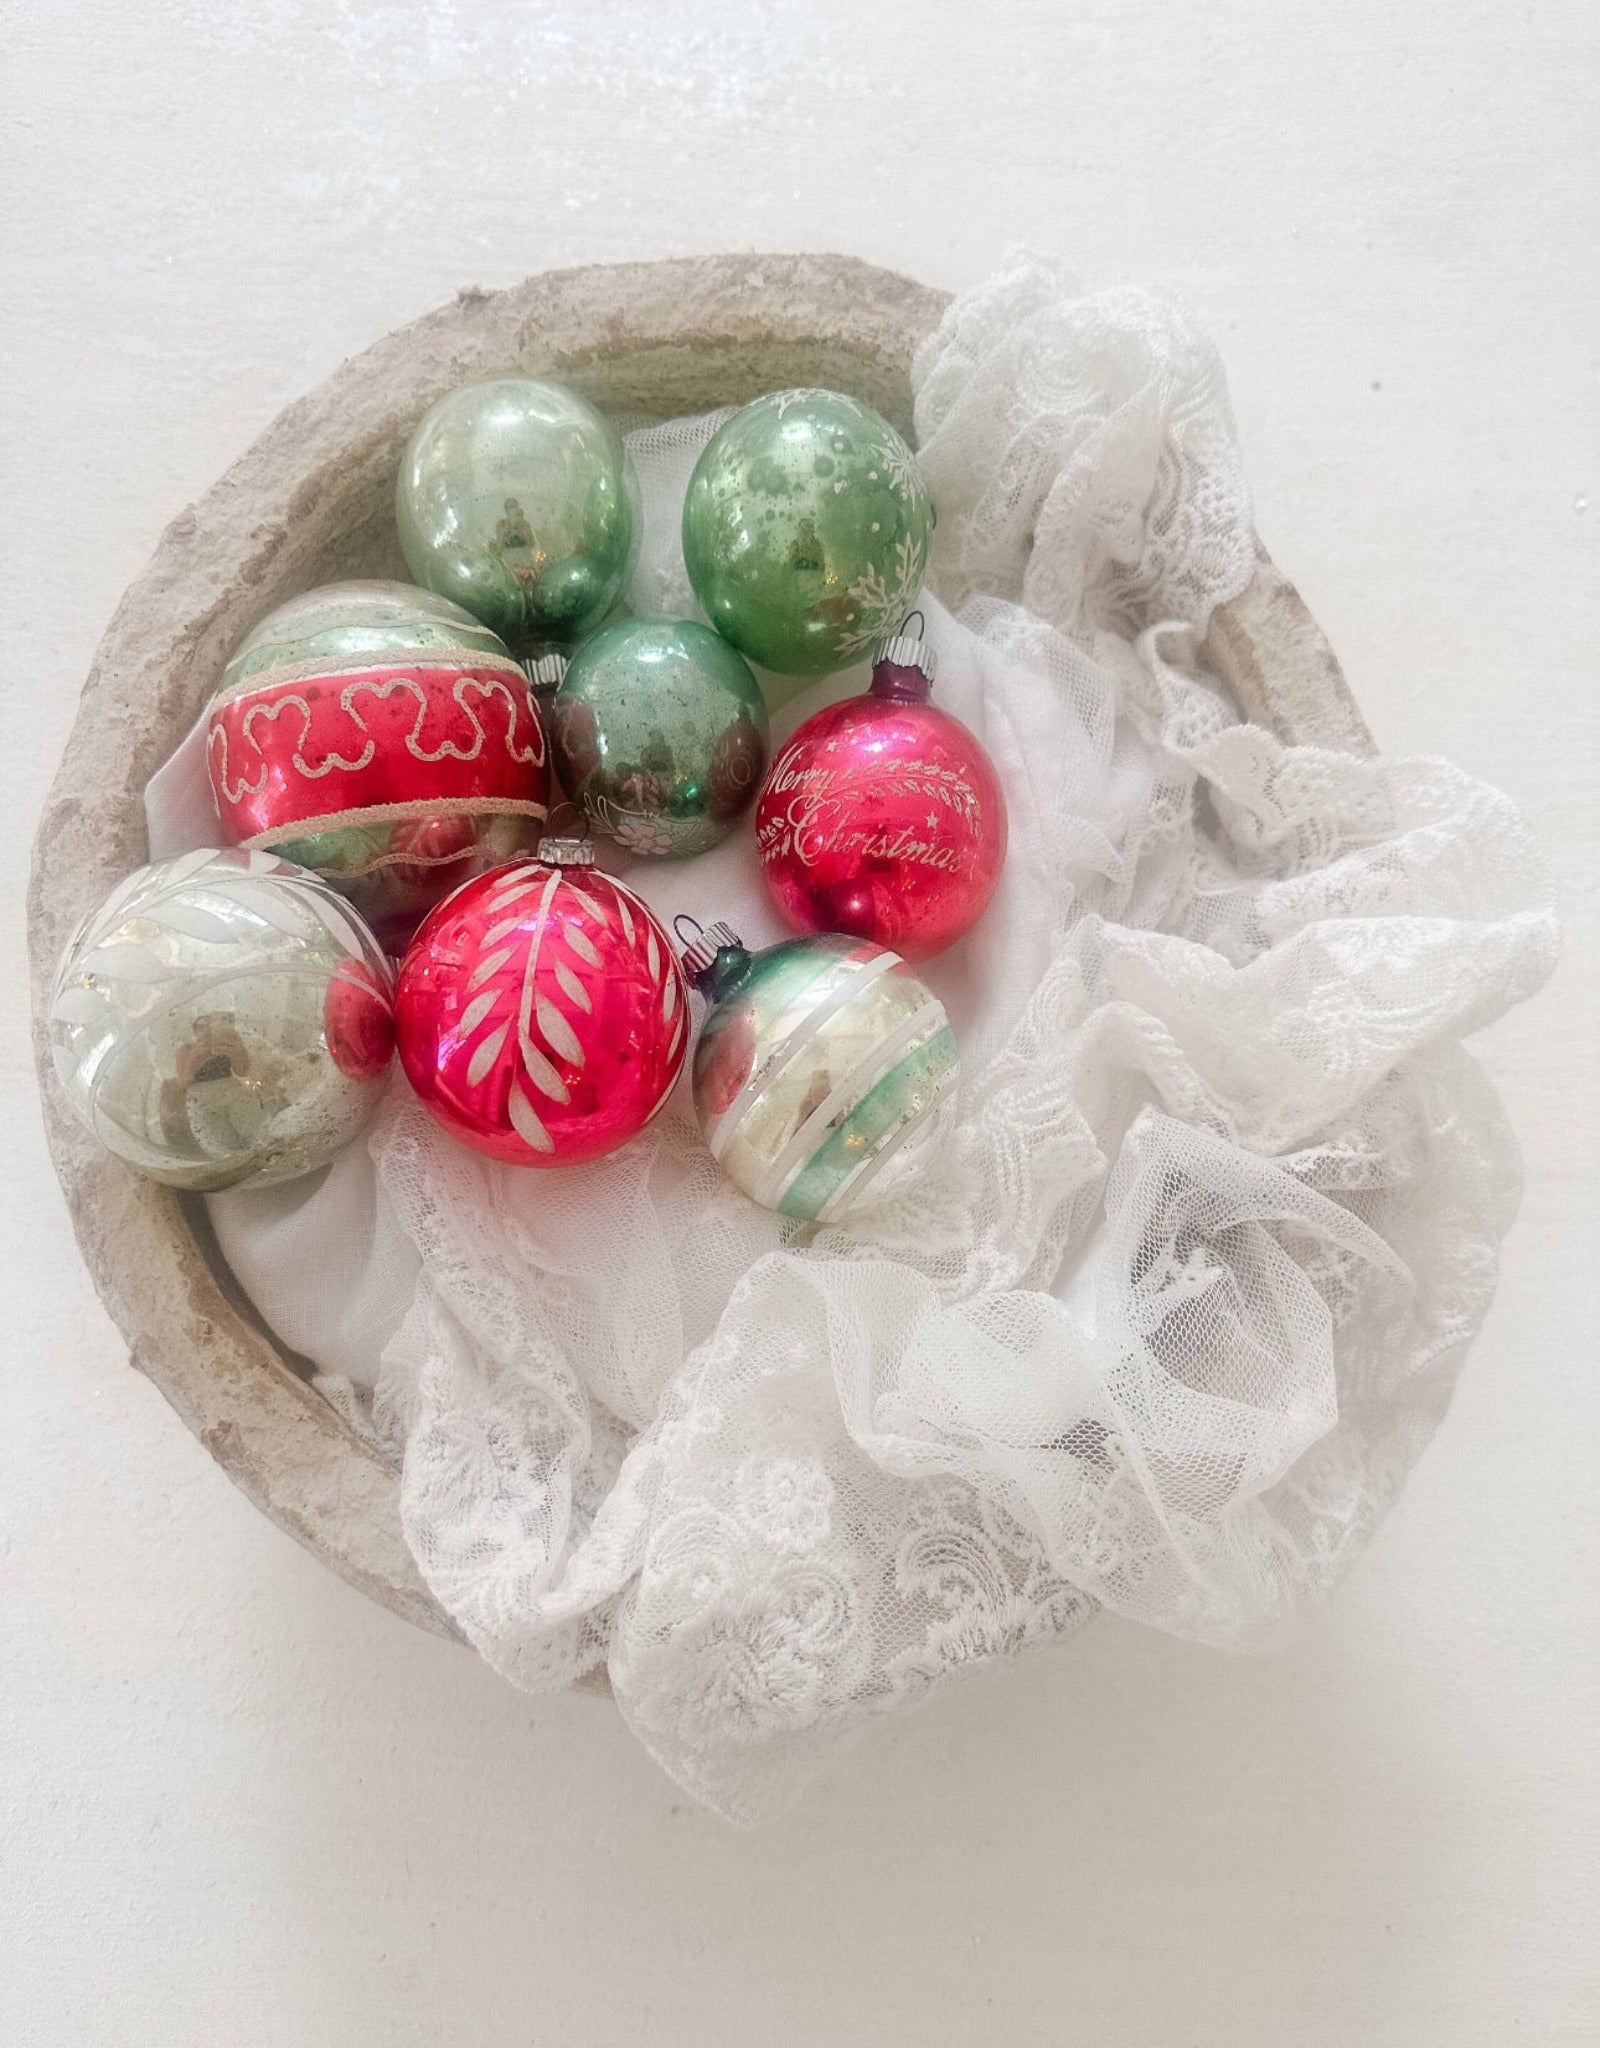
[[564, 846], [687, 938], [702, 953], [922, 625], [567, 821]]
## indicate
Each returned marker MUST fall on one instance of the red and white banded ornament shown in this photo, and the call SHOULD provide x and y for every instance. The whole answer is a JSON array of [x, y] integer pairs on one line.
[[384, 738]]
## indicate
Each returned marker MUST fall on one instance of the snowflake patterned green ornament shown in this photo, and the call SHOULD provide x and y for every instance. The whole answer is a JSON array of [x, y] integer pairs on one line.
[[806, 530]]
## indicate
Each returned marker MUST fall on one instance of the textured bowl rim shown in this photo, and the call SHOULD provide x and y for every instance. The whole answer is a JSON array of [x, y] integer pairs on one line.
[[674, 336]]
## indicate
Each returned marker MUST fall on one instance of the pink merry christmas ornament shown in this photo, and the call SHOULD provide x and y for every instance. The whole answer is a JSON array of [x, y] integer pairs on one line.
[[883, 816]]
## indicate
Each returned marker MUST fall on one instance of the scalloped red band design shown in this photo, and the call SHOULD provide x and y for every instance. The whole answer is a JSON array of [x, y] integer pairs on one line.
[[388, 738]]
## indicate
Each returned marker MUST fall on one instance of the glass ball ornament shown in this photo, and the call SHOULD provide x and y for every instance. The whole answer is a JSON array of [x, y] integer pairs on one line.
[[542, 1015], [384, 738], [517, 499], [223, 1020], [658, 730], [806, 530], [883, 816], [826, 1071]]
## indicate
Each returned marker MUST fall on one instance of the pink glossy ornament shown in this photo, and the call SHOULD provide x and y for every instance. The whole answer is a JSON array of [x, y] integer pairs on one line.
[[883, 816], [542, 1015]]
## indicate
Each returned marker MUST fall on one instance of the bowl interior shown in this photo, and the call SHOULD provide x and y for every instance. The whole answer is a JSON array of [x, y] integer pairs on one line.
[[311, 502]]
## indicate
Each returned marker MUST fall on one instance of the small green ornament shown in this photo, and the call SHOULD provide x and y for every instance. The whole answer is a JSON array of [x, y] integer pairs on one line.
[[659, 731], [806, 530], [826, 1074], [517, 499]]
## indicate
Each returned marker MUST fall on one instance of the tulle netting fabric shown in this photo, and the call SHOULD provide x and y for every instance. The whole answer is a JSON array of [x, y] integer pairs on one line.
[[1170, 1321]]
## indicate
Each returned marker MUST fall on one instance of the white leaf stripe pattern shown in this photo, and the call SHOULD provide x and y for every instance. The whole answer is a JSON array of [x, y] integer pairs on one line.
[[490, 964], [542, 1074], [558, 1033], [193, 920], [124, 961], [108, 916], [543, 977], [272, 906], [180, 870], [527, 1125], [595, 910], [475, 1012], [521, 884], [331, 910], [78, 1005], [571, 987], [485, 1053], [525, 1018]]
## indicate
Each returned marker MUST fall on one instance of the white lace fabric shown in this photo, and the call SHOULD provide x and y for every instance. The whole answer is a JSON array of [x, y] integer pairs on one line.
[[1171, 1319]]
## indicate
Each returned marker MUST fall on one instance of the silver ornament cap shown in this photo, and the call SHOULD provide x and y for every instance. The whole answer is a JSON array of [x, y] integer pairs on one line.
[[544, 673], [907, 650], [700, 952]]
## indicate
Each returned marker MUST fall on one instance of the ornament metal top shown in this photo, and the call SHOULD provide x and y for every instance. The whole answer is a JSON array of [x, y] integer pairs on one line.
[[806, 530], [825, 1075], [517, 499], [659, 732], [541, 1014], [883, 816], [223, 1020]]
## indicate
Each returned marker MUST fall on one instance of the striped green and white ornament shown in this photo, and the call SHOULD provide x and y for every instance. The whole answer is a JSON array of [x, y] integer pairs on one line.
[[826, 1073]]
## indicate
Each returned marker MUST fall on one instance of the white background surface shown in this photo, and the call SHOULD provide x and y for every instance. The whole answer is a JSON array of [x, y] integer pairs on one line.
[[241, 1806]]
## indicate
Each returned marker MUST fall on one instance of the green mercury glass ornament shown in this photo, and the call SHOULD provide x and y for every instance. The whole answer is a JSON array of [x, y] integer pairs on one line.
[[517, 499], [806, 530], [659, 732], [826, 1074]]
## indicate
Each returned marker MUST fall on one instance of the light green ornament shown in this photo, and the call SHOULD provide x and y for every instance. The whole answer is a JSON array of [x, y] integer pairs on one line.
[[806, 531], [659, 731], [517, 499]]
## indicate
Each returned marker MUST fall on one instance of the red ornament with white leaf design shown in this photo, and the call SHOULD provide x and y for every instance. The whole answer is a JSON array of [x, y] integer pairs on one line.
[[542, 1015], [883, 817]]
